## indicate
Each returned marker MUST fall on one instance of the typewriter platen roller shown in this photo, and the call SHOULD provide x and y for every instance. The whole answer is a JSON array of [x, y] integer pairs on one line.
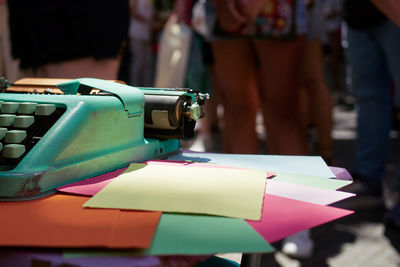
[[169, 113], [55, 134]]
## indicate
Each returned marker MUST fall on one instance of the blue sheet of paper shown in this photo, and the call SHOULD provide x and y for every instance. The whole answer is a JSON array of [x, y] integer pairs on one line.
[[301, 165]]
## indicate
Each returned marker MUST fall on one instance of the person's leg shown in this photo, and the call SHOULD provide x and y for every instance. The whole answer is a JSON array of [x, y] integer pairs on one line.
[[371, 87], [389, 37], [319, 98], [207, 138], [305, 113], [234, 71], [279, 80], [201, 77], [279, 63], [211, 120], [335, 57], [306, 117]]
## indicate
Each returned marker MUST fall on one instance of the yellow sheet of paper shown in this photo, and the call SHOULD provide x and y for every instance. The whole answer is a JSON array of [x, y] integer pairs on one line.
[[217, 191]]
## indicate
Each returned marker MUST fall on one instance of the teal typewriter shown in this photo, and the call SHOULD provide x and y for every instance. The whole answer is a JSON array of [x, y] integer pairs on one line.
[[55, 134]]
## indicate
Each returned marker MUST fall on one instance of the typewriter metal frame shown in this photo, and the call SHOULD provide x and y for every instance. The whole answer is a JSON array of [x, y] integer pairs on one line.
[[96, 134]]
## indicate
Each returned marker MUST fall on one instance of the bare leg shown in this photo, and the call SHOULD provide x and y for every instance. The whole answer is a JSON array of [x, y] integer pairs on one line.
[[319, 97], [279, 92], [211, 119], [234, 70], [335, 56]]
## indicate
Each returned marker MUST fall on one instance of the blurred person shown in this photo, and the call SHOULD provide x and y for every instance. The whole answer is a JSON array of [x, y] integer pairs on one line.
[[69, 39], [332, 41], [200, 77], [256, 65], [316, 110], [140, 43], [316, 98], [8, 66], [374, 55], [250, 68], [391, 8], [209, 127], [148, 18], [199, 71]]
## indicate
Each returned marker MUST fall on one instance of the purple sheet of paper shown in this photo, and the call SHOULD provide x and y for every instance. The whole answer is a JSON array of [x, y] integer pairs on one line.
[[341, 173], [46, 257], [305, 193], [282, 217], [25, 257]]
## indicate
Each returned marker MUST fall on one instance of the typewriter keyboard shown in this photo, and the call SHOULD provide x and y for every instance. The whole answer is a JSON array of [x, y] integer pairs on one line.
[[22, 125]]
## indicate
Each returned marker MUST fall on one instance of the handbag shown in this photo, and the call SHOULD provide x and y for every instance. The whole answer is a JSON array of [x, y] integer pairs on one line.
[[173, 55]]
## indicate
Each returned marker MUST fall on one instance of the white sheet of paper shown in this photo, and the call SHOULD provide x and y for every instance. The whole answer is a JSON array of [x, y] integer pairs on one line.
[[305, 193]]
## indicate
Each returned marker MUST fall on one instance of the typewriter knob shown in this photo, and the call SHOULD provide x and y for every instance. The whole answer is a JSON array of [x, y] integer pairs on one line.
[[194, 112]]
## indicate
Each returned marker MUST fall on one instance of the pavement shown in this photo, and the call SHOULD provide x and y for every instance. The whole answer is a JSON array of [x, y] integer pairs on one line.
[[360, 239]]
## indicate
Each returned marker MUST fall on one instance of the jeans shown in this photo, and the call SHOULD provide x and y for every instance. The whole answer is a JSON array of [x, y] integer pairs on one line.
[[374, 55]]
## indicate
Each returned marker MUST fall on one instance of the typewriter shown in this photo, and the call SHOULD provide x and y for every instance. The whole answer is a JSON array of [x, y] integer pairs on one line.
[[54, 132]]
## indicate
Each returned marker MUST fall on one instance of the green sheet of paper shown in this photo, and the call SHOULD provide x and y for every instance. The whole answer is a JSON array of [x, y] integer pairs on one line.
[[198, 234], [216, 191], [180, 234], [312, 181]]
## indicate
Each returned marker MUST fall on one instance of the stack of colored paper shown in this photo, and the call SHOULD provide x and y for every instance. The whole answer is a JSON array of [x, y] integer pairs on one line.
[[191, 204]]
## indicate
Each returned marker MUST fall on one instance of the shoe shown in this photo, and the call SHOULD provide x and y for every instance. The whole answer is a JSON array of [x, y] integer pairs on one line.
[[392, 217], [204, 142], [364, 189], [365, 186], [366, 197], [347, 102], [198, 145], [298, 245]]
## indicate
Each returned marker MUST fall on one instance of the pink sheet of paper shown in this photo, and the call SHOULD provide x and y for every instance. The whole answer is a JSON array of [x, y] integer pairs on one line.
[[305, 193], [282, 217], [92, 186]]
